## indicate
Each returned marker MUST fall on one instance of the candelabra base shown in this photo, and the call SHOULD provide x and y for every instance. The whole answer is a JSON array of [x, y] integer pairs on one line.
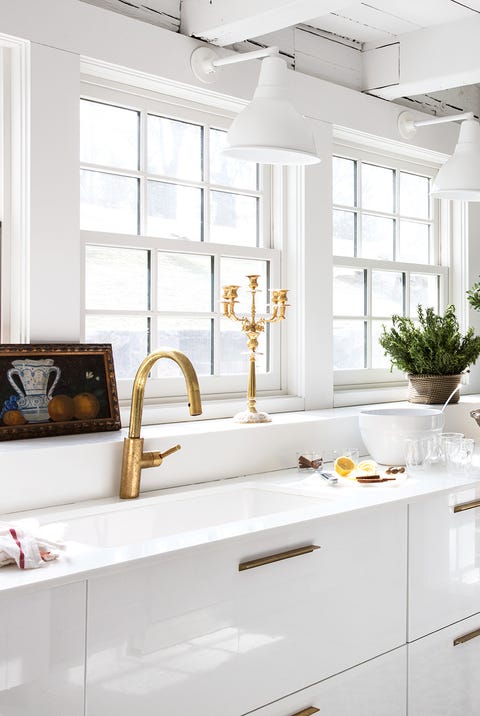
[[248, 417]]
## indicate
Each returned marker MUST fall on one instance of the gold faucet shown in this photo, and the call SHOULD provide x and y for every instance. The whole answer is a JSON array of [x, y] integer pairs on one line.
[[134, 459]]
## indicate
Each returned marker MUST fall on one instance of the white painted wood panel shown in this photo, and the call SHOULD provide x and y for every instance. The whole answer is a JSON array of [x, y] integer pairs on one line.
[[326, 58]]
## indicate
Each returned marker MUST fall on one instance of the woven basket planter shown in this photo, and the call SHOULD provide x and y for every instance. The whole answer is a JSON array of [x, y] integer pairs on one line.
[[432, 389]]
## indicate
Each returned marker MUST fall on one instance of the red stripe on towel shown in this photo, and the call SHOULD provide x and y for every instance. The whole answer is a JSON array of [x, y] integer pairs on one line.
[[21, 563]]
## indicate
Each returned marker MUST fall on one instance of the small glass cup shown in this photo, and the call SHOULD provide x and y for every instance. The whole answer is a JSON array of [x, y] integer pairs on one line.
[[352, 453], [416, 451], [309, 461], [447, 438], [459, 455]]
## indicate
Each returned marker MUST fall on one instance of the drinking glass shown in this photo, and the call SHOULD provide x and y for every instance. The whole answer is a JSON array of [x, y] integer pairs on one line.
[[459, 454], [416, 451]]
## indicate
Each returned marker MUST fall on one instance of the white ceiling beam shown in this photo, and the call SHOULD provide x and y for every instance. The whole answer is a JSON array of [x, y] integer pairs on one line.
[[223, 22], [428, 60]]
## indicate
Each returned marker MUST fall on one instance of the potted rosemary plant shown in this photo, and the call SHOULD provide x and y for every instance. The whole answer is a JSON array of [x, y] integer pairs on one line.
[[432, 352]]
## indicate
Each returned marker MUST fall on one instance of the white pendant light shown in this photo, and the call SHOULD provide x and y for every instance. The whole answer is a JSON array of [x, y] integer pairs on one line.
[[459, 177], [269, 130]]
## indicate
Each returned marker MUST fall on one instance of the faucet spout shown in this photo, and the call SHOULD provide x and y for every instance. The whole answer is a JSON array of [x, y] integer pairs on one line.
[[134, 459], [195, 403]]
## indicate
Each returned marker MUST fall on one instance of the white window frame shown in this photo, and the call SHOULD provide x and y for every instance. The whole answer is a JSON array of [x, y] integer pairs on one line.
[[168, 389], [349, 385]]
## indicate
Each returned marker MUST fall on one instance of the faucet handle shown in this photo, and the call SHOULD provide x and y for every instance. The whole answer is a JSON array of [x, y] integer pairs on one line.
[[154, 459]]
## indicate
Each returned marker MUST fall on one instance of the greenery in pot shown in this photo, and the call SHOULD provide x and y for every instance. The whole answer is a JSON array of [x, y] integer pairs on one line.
[[473, 296], [431, 346]]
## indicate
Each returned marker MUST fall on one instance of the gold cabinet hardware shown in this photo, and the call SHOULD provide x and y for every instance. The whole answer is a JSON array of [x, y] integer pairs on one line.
[[466, 506], [277, 558], [307, 712], [466, 637]]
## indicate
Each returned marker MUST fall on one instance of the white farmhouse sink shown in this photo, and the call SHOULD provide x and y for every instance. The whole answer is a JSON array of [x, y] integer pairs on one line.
[[132, 522]]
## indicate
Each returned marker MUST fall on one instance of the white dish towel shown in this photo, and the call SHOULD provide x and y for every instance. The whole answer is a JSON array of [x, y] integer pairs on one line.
[[20, 545]]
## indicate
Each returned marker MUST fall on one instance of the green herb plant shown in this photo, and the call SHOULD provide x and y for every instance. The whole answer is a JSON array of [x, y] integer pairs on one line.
[[433, 345], [473, 296]]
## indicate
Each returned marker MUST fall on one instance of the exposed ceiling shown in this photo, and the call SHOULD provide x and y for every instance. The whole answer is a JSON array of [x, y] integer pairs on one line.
[[416, 52]]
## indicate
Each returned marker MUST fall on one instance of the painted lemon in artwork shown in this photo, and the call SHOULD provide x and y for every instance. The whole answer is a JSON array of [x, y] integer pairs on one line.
[[13, 417], [60, 408], [86, 406]]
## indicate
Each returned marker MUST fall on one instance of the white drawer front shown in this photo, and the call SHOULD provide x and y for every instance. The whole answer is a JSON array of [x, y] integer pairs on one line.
[[42, 652], [444, 561], [443, 677], [195, 634], [376, 688]]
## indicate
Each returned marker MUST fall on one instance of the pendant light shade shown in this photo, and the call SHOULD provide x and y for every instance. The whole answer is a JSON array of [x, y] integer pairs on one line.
[[459, 177], [270, 130]]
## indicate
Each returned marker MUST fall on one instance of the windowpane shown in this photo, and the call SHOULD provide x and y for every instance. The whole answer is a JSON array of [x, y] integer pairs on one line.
[[129, 336], [349, 298], [108, 202], [414, 196], [228, 171], [349, 344], [174, 149], [192, 336], [414, 242], [378, 188], [344, 227], [379, 359], [377, 237], [174, 211], [344, 171], [108, 135], [387, 293], [233, 219], [184, 282], [391, 223], [116, 278], [234, 353], [235, 271], [424, 290]]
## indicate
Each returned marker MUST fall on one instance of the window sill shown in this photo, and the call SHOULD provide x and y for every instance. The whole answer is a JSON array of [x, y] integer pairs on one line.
[[155, 413]]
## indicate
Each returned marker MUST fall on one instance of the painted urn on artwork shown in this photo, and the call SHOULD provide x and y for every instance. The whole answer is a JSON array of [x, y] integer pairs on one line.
[[432, 352]]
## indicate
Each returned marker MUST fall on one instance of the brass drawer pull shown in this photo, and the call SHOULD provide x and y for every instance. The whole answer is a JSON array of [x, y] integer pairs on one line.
[[276, 558], [307, 712], [466, 637], [466, 506]]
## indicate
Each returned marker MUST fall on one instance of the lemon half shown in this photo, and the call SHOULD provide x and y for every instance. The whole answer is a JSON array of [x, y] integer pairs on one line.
[[344, 465]]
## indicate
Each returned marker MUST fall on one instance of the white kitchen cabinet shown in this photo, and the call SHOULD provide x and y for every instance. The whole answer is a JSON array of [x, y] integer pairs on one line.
[[375, 688], [443, 671], [444, 560], [193, 634], [42, 651]]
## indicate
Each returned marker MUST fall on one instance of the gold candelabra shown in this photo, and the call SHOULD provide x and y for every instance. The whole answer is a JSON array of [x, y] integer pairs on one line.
[[252, 326]]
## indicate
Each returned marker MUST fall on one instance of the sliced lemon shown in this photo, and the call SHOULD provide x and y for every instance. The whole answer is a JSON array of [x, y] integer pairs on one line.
[[367, 467], [344, 465]]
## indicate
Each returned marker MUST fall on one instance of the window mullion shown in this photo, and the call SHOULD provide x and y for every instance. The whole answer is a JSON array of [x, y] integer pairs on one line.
[[206, 218]]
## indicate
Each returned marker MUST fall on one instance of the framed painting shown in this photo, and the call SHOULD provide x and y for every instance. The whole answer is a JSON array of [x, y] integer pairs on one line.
[[57, 389]]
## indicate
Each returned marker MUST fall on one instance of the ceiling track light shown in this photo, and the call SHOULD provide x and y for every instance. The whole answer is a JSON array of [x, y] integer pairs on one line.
[[459, 177], [269, 130]]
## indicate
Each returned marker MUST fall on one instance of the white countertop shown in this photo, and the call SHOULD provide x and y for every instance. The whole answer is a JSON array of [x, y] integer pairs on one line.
[[79, 561]]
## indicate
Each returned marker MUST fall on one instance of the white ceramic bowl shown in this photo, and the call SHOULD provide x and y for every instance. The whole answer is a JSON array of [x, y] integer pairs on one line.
[[383, 430]]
